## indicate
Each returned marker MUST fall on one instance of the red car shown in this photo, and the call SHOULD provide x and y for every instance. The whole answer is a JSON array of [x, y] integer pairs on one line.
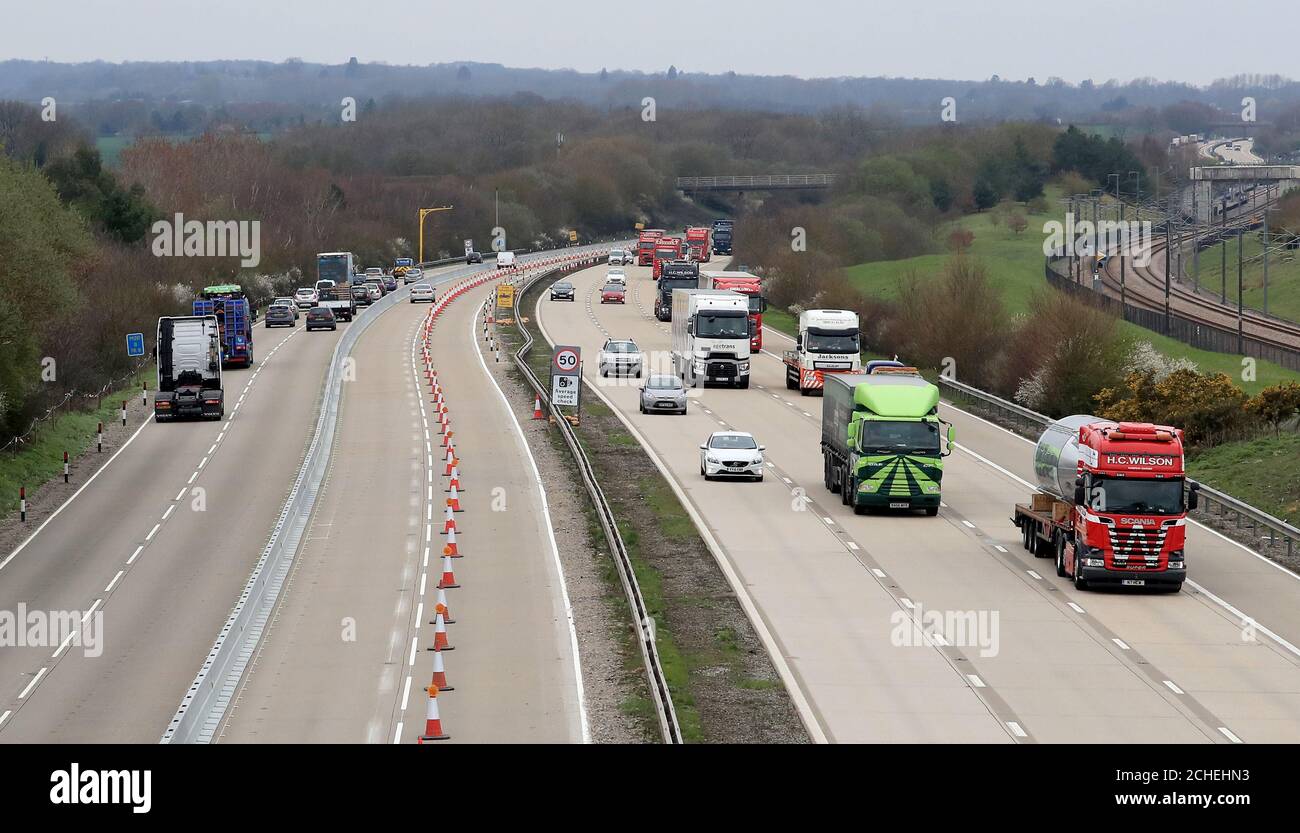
[[613, 293]]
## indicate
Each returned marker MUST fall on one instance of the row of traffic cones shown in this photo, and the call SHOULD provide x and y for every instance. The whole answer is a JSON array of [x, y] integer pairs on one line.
[[433, 729]]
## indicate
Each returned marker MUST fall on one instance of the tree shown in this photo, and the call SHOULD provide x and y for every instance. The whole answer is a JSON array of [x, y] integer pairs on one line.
[[941, 194], [1276, 404], [672, 73], [960, 240], [1207, 406], [985, 194], [1017, 222]]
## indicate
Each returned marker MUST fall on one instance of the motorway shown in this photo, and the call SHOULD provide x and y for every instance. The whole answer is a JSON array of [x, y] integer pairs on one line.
[[161, 543], [1045, 664], [371, 559]]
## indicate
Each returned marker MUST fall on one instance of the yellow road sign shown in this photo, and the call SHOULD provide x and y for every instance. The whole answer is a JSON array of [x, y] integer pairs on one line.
[[573, 237], [505, 296]]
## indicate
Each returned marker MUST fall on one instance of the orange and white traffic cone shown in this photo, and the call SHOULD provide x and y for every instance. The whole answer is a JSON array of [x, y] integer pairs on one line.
[[537, 407], [453, 500], [455, 479], [440, 642], [448, 575], [450, 548], [440, 674], [447, 435], [450, 462], [441, 607], [432, 722], [449, 523]]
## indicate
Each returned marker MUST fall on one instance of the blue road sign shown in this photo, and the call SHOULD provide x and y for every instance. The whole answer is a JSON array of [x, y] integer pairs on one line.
[[135, 344]]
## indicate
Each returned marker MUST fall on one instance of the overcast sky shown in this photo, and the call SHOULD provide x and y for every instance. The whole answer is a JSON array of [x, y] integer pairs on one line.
[[961, 39]]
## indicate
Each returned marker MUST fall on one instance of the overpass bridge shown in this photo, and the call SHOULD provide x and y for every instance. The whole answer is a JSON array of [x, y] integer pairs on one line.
[[762, 182], [1227, 186]]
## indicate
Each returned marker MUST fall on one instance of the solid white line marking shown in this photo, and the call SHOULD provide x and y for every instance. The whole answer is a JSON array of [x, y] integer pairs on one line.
[[152, 532], [1175, 689], [33, 683], [109, 588]]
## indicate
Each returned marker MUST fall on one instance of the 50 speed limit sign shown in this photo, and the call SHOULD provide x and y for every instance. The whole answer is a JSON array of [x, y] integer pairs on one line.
[[566, 370]]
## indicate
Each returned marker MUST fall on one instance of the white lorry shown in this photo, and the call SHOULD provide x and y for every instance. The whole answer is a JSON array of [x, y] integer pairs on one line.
[[711, 337], [828, 342], [189, 369]]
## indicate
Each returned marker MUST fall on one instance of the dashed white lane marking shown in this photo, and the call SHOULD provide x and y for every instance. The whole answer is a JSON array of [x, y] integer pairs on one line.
[[135, 555], [1034, 575], [34, 681], [851, 545], [179, 495], [152, 532], [5, 716], [406, 692], [397, 734], [999, 548], [1227, 733], [1075, 607], [411, 659], [169, 511], [877, 572], [968, 524], [975, 680], [203, 462], [192, 476], [119, 575], [1175, 689], [1015, 729], [1123, 646], [906, 602]]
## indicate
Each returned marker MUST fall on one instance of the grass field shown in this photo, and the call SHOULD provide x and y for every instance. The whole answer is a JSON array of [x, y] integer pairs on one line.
[[1015, 265], [1262, 472], [1283, 275], [41, 458]]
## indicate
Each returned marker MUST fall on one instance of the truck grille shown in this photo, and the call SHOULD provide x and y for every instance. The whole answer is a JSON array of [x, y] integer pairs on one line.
[[1136, 548], [719, 369]]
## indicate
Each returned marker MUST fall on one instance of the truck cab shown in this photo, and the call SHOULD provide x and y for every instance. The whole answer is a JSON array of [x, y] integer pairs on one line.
[[749, 285], [189, 368], [645, 246], [699, 247], [722, 233], [675, 275], [666, 249], [828, 342], [710, 337]]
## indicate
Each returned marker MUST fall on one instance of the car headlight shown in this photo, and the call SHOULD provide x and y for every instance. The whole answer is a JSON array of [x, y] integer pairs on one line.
[[869, 485], [699, 367], [709, 459], [932, 488]]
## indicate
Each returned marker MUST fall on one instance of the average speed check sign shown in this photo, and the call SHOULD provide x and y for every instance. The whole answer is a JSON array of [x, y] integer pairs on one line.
[[566, 367]]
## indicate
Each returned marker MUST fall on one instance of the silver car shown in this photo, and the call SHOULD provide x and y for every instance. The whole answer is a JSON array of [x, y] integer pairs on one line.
[[663, 394]]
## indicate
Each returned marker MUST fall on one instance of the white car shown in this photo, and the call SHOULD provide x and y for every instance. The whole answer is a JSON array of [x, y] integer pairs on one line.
[[615, 257], [731, 454], [620, 357], [306, 298], [422, 292], [616, 276]]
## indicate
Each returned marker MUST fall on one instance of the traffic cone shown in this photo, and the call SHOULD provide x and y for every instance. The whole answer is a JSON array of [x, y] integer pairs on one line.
[[450, 549], [440, 674], [440, 642], [448, 575], [455, 479], [450, 462], [432, 723], [441, 607], [537, 407], [447, 435], [453, 500], [449, 523]]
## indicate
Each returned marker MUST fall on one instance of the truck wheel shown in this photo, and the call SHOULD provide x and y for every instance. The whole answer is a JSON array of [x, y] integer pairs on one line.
[[1034, 543], [805, 392], [1024, 535], [790, 384], [744, 384], [1060, 560], [1080, 583], [932, 511]]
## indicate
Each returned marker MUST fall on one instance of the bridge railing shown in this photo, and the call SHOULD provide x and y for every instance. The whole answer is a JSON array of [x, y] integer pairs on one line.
[[1262, 531], [761, 181]]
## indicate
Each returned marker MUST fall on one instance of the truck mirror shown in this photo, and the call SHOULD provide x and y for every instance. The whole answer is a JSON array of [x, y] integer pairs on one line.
[[1193, 495], [798, 341], [1079, 498], [950, 440], [690, 328]]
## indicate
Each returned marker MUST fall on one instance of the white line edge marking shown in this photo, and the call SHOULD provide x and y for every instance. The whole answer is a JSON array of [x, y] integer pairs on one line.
[[152, 532], [1175, 689], [1016, 730], [550, 533], [975, 680], [32, 684], [74, 495], [119, 575], [1227, 733]]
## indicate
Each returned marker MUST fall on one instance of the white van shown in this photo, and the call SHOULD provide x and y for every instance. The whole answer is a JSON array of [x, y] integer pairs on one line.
[[505, 260], [615, 257]]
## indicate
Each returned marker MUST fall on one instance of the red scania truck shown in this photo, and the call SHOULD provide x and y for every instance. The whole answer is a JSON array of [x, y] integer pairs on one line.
[[667, 249], [699, 246], [645, 246], [1112, 503]]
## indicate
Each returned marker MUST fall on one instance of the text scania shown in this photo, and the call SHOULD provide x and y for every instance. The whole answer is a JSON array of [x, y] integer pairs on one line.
[[215, 238], [111, 786]]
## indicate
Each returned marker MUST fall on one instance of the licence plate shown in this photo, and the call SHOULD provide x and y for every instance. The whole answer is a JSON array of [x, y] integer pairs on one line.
[[1133, 582], [735, 468], [900, 505]]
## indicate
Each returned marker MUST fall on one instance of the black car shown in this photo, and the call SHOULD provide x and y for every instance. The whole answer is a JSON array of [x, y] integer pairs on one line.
[[562, 291], [320, 318], [278, 315], [473, 257], [361, 295]]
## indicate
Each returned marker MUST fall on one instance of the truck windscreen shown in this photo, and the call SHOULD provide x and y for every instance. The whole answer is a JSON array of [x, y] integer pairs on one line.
[[722, 325], [831, 341], [1139, 497], [667, 285], [896, 437]]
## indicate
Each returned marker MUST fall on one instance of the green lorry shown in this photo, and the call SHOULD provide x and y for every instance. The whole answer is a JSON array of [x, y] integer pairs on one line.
[[883, 442]]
